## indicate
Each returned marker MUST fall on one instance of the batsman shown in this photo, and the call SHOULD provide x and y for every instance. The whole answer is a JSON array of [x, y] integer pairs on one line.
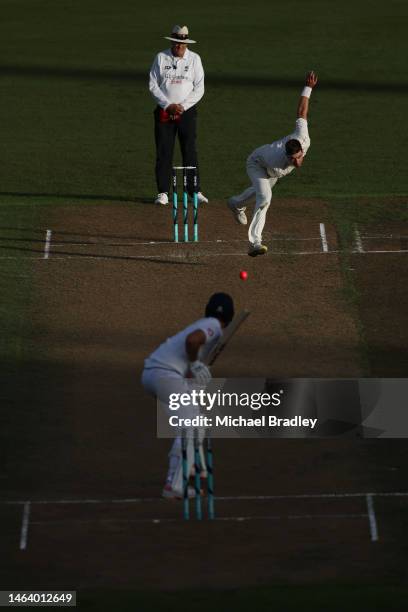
[[269, 163], [178, 363]]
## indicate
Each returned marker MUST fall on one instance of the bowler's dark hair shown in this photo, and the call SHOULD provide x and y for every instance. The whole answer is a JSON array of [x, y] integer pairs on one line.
[[293, 146]]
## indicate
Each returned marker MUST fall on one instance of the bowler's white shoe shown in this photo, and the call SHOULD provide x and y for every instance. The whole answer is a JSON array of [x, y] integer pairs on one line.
[[170, 493], [257, 249], [201, 199], [239, 215], [162, 198]]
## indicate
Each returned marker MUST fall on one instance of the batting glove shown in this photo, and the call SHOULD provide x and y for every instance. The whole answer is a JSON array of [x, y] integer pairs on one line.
[[200, 372]]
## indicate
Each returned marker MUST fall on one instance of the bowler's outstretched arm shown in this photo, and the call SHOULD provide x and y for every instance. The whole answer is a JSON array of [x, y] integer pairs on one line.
[[303, 107]]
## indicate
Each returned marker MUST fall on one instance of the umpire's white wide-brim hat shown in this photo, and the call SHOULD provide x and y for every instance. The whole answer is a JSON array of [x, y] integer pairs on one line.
[[180, 34]]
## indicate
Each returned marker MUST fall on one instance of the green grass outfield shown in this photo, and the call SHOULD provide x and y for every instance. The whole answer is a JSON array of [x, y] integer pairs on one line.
[[77, 125], [77, 114]]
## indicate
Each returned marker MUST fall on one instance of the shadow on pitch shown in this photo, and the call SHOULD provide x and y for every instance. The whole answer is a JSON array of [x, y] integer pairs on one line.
[[74, 255], [81, 196], [78, 235]]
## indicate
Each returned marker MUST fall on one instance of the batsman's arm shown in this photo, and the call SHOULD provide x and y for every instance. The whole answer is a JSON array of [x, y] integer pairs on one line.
[[303, 106], [194, 342], [197, 369]]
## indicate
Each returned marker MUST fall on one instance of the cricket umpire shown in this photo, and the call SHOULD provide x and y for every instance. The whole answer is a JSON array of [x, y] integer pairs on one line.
[[177, 84]]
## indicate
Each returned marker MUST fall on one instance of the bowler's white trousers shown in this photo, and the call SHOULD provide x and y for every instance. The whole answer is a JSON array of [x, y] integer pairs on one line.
[[261, 189]]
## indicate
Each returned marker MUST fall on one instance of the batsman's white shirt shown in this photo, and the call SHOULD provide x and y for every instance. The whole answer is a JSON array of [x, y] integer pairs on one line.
[[177, 80], [272, 157], [172, 355]]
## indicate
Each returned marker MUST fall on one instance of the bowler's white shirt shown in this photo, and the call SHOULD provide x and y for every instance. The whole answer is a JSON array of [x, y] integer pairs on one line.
[[177, 80], [273, 157], [171, 355]]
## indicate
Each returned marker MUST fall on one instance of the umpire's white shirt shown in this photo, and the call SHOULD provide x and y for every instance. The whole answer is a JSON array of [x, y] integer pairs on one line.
[[273, 157], [172, 355], [177, 80]]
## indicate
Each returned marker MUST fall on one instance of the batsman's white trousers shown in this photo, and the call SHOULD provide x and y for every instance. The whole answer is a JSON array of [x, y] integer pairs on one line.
[[162, 383], [261, 189]]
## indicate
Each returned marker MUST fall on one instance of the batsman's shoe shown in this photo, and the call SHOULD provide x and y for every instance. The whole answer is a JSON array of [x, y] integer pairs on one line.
[[162, 198], [257, 249], [201, 199], [170, 493], [239, 215]]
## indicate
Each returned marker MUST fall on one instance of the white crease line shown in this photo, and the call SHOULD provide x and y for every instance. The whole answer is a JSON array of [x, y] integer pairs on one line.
[[385, 251], [302, 496], [171, 258], [293, 517], [277, 517], [47, 245], [180, 244], [137, 500], [323, 237], [384, 237], [24, 526], [358, 241], [372, 518]]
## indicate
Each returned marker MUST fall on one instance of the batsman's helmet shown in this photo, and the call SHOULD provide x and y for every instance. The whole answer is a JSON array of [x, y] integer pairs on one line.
[[220, 306]]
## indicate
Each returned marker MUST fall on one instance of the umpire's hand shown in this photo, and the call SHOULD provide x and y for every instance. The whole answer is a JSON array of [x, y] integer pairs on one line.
[[175, 109]]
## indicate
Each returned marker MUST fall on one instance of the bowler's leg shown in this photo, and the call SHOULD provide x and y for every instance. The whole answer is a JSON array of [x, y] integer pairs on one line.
[[263, 201], [262, 184], [239, 200], [237, 204]]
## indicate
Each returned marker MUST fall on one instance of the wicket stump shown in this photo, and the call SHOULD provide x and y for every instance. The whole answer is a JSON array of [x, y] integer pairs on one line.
[[197, 477], [185, 170]]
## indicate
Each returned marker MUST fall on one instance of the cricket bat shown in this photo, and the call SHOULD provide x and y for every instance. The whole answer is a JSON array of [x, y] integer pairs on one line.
[[229, 331]]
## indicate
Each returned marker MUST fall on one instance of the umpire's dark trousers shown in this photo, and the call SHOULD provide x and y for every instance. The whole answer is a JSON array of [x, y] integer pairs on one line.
[[165, 136]]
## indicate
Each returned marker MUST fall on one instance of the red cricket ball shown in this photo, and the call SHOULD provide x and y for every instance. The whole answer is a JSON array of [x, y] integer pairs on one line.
[[243, 275]]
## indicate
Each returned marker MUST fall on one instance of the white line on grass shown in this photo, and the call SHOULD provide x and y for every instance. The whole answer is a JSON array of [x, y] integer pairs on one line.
[[323, 237], [24, 526], [47, 245], [372, 518]]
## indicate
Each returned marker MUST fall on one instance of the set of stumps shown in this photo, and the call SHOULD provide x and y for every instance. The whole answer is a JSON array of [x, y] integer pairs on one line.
[[185, 170], [198, 498]]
